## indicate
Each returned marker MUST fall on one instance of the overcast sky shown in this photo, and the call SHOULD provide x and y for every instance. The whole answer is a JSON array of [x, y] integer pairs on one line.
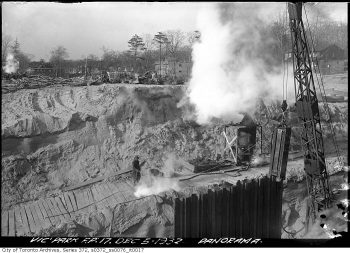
[[83, 28]]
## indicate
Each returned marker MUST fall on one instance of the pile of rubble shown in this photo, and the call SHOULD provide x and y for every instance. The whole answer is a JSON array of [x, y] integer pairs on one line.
[[39, 81]]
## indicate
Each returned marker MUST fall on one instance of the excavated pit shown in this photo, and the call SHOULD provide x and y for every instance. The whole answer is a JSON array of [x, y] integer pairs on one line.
[[57, 138]]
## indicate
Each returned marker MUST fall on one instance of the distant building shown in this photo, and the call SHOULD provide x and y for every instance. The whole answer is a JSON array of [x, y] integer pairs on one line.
[[161, 68], [332, 52], [174, 68], [180, 70], [41, 68], [331, 60]]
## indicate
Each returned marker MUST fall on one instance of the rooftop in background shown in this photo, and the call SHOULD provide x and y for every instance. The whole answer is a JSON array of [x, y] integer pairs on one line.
[[333, 52]]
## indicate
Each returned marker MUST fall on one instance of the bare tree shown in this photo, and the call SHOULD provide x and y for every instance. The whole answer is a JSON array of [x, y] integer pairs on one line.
[[58, 55], [149, 53], [92, 62], [279, 31], [192, 37], [176, 40], [161, 39], [15, 48], [109, 58], [5, 47], [149, 42]]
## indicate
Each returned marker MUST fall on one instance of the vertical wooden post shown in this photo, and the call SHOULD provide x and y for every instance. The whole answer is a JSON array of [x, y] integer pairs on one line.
[[260, 207], [273, 208], [212, 230], [177, 218], [200, 215], [188, 217], [218, 212], [240, 210], [225, 213], [279, 193], [233, 211], [194, 216], [205, 216], [254, 208], [246, 206], [264, 206], [268, 206]]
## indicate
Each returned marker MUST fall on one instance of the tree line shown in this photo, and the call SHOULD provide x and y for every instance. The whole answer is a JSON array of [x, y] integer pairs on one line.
[[143, 52], [147, 49]]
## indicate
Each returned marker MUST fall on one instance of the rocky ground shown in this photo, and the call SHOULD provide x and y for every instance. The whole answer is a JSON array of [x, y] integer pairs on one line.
[[55, 137]]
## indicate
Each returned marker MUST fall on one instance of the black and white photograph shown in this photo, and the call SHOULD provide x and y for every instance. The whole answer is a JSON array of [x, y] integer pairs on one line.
[[174, 124]]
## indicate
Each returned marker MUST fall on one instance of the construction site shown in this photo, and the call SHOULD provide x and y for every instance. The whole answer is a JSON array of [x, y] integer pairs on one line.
[[103, 156]]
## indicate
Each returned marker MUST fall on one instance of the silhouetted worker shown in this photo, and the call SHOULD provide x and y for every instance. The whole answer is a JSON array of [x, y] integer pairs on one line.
[[136, 167]]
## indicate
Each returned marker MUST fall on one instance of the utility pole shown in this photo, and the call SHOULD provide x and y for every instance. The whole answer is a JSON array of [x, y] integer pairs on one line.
[[160, 60], [85, 68], [160, 38]]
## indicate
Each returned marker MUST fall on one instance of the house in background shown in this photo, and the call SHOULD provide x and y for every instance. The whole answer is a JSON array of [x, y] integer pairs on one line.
[[161, 68], [332, 60], [41, 68], [181, 70], [171, 67]]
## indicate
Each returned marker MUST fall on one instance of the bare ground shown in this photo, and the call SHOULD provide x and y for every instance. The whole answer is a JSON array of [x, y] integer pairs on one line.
[[57, 137]]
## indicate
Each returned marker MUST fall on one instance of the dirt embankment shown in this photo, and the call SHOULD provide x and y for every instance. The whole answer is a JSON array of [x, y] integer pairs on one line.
[[56, 137]]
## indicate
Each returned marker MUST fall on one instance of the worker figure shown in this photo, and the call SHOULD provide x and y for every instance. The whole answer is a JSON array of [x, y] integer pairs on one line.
[[154, 77], [136, 167], [284, 115], [136, 77]]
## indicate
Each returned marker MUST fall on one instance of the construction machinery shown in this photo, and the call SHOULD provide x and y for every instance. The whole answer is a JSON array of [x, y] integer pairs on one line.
[[243, 141], [307, 108]]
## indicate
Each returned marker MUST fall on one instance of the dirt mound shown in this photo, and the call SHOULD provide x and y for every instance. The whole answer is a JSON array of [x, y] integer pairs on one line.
[[152, 216], [294, 211], [59, 136], [53, 138]]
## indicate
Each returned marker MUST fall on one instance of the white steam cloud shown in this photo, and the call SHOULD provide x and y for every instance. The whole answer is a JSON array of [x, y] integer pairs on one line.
[[230, 71], [12, 64], [151, 184]]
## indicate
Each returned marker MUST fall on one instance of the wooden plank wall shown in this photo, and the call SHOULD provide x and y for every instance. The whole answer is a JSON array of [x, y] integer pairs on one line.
[[248, 209], [30, 218]]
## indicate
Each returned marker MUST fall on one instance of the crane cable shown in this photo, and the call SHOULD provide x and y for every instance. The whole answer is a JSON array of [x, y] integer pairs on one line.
[[285, 63], [322, 92], [323, 96], [286, 21]]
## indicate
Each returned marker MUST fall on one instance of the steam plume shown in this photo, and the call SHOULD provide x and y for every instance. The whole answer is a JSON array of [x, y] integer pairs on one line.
[[233, 67], [150, 184], [12, 64]]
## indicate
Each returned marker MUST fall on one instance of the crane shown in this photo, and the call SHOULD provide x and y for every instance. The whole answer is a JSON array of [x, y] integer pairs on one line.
[[308, 113], [306, 104]]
